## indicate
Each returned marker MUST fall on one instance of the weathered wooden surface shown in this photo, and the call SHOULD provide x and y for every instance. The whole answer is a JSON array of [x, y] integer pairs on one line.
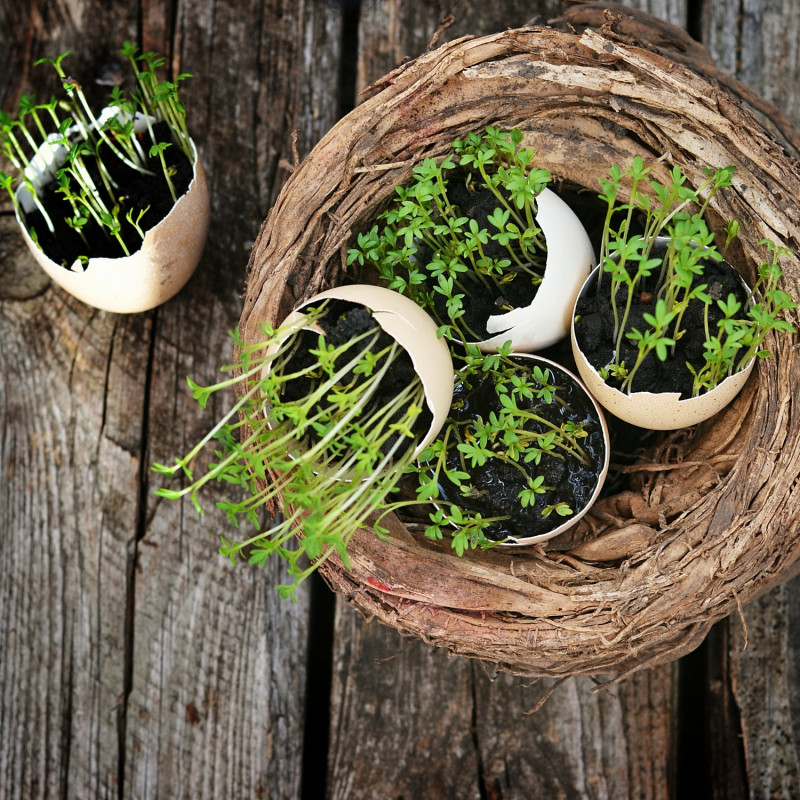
[[135, 662]]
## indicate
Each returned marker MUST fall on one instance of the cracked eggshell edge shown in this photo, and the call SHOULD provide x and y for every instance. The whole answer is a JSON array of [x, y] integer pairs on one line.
[[570, 259], [658, 411], [567, 524], [416, 332], [157, 271]]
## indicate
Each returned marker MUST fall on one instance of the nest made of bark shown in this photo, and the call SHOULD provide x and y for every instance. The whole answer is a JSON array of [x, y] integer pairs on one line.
[[703, 520]]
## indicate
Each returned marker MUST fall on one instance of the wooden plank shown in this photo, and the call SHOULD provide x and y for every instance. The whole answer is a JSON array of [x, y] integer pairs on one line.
[[586, 740], [649, 704], [765, 666], [131, 652], [727, 769], [675, 12], [69, 508], [392, 698], [756, 41], [402, 712], [217, 672], [69, 505], [218, 675], [401, 718], [409, 721]]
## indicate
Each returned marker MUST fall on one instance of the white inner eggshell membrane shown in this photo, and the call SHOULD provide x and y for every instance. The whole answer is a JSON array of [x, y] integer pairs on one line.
[[570, 259]]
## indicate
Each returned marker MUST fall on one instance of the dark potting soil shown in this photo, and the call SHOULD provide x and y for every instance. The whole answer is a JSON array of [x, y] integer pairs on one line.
[[484, 299], [137, 191], [343, 322], [496, 485], [594, 330]]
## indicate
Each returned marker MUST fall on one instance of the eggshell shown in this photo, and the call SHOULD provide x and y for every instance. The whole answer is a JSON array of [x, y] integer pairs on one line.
[[570, 258], [153, 274], [659, 411], [416, 332], [568, 523]]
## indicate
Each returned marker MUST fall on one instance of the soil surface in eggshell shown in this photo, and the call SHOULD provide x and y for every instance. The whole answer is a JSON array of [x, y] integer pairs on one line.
[[137, 191], [594, 330], [495, 487]]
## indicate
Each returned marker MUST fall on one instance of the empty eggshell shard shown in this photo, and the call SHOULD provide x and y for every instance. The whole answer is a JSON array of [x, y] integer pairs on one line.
[[416, 332], [153, 274], [570, 258]]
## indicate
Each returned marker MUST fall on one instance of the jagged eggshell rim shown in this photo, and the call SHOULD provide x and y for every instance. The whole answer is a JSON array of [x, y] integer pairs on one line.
[[416, 332], [570, 258], [573, 520], [658, 411], [157, 271]]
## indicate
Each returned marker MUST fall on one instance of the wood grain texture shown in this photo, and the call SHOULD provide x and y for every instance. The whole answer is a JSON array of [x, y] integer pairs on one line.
[[756, 41], [584, 741], [616, 743], [409, 721], [70, 454], [134, 662], [765, 657], [401, 718], [218, 671], [533, 612], [676, 12]]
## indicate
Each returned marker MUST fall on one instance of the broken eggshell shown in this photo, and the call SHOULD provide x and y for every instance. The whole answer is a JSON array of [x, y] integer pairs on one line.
[[570, 258], [658, 411], [168, 256], [415, 331], [569, 522], [525, 541]]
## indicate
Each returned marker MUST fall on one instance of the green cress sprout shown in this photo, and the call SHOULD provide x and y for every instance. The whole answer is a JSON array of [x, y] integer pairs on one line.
[[426, 248], [312, 427], [738, 340], [631, 261], [81, 147], [464, 228]]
